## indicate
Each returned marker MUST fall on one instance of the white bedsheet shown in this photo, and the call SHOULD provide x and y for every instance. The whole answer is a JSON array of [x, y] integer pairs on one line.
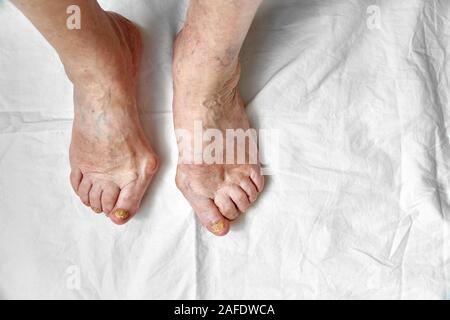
[[358, 206]]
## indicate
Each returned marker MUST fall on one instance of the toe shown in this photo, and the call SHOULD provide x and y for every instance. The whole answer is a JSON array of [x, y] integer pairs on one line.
[[75, 178], [109, 196], [128, 202], [95, 195], [226, 206], [83, 190], [239, 198], [258, 179], [210, 216], [249, 187]]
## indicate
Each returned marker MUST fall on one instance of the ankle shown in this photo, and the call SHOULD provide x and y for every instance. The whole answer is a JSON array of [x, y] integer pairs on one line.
[[106, 58]]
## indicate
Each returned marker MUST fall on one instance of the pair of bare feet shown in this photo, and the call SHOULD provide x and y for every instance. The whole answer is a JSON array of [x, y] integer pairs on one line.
[[112, 163]]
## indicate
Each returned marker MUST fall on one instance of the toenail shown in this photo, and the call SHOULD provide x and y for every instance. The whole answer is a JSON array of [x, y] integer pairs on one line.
[[121, 214], [96, 210], [217, 227]]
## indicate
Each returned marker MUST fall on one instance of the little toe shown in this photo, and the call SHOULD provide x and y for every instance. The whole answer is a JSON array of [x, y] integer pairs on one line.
[[258, 179], [95, 196], [75, 178], [239, 197], [249, 187], [226, 206], [83, 190], [109, 197]]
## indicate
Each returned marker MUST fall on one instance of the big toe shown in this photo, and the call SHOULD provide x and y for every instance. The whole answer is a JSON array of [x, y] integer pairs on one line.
[[128, 201], [210, 216], [126, 207]]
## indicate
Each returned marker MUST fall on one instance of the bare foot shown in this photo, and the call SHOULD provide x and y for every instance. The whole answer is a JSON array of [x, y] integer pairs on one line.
[[208, 93], [112, 162]]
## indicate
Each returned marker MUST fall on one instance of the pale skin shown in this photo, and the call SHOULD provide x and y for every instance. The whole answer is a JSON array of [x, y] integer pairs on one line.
[[112, 162]]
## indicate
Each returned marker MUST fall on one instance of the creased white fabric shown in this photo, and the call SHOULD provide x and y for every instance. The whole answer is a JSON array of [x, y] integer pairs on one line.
[[357, 208]]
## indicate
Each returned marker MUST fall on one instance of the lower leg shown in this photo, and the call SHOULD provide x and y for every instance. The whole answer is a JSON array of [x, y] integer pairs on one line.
[[112, 162], [76, 48], [206, 75], [213, 34]]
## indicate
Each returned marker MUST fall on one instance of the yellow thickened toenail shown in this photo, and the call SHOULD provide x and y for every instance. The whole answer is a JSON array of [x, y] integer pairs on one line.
[[217, 227], [97, 210], [121, 214]]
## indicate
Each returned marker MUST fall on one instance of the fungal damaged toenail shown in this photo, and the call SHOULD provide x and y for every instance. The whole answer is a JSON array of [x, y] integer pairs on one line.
[[121, 214], [217, 227]]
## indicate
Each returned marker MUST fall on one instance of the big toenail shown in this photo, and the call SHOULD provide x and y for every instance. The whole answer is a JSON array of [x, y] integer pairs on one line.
[[121, 214], [97, 210], [217, 227]]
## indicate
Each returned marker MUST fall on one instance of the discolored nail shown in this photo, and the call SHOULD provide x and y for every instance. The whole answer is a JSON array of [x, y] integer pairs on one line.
[[217, 227], [96, 210], [121, 214]]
